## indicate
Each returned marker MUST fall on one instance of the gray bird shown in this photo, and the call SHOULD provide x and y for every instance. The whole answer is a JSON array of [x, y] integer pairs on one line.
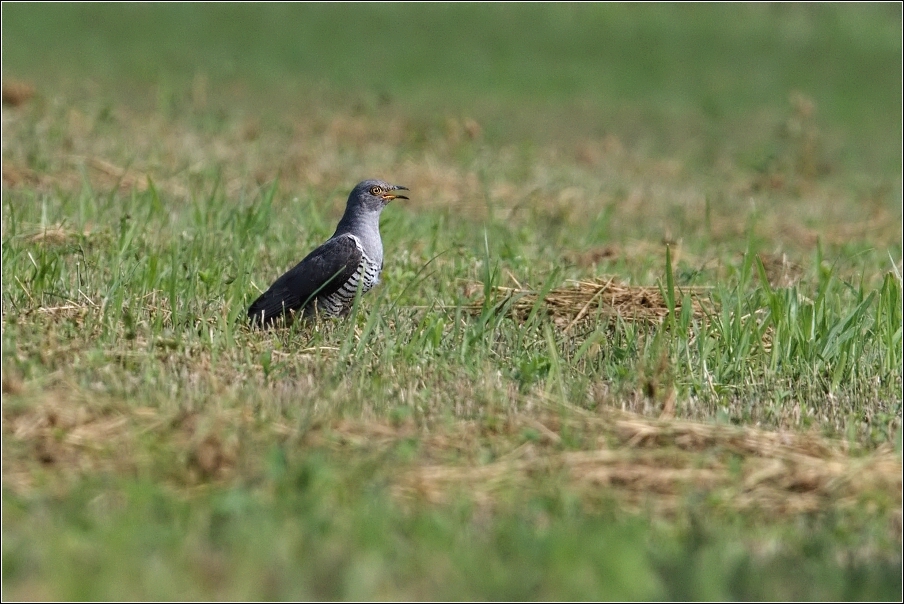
[[327, 280]]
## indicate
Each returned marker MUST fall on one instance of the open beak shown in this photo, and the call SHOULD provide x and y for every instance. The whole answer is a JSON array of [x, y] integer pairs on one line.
[[387, 197]]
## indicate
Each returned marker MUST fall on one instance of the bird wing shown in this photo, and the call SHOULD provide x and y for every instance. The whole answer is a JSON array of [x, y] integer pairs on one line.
[[321, 273]]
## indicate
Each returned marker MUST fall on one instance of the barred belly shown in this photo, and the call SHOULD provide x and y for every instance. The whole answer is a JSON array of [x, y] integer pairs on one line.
[[340, 302]]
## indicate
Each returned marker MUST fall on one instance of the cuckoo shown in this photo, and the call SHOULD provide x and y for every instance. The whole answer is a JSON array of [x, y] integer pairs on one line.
[[326, 281]]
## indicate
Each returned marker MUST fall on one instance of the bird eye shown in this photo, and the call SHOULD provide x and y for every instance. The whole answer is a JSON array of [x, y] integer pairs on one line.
[[375, 190]]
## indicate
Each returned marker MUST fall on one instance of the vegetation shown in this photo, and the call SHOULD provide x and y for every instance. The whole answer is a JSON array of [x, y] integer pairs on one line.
[[639, 334]]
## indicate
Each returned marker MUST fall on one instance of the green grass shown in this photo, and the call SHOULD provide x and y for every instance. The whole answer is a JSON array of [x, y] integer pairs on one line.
[[175, 160], [297, 536]]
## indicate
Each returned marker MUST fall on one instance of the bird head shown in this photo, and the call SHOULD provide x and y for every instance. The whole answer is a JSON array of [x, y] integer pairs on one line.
[[375, 194]]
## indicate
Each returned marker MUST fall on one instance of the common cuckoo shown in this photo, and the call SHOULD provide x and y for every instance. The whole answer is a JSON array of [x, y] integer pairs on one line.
[[326, 281]]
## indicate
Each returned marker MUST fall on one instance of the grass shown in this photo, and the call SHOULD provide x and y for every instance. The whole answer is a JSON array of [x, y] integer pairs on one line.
[[639, 334]]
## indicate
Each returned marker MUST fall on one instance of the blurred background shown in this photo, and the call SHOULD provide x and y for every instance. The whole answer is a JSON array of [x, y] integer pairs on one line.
[[680, 79]]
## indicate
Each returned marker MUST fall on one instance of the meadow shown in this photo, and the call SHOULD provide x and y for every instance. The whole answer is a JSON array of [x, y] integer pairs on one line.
[[639, 332]]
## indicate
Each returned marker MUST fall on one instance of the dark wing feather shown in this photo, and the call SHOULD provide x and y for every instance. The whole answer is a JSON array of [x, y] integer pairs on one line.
[[321, 273]]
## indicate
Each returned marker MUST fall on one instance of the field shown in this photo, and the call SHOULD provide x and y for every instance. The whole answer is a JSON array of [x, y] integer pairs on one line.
[[639, 332]]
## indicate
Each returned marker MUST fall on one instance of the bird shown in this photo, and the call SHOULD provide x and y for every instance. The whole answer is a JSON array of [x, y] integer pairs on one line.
[[325, 282]]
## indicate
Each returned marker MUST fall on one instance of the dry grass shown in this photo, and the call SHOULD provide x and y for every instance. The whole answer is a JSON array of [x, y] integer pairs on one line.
[[100, 175], [602, 297], [641, 462], [70, 434]]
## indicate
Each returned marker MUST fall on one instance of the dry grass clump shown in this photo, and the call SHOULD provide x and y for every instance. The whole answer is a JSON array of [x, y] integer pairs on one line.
[[602, 297], [53, 234]]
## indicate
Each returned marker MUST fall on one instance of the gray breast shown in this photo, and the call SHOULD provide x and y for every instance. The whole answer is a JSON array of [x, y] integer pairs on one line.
[[340, 302]]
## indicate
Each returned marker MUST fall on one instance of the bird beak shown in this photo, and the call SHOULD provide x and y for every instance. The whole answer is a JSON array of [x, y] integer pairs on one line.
[[387, 197]]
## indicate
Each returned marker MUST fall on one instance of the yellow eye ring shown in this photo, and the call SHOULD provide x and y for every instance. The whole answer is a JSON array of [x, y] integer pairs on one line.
[[375, 190]]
